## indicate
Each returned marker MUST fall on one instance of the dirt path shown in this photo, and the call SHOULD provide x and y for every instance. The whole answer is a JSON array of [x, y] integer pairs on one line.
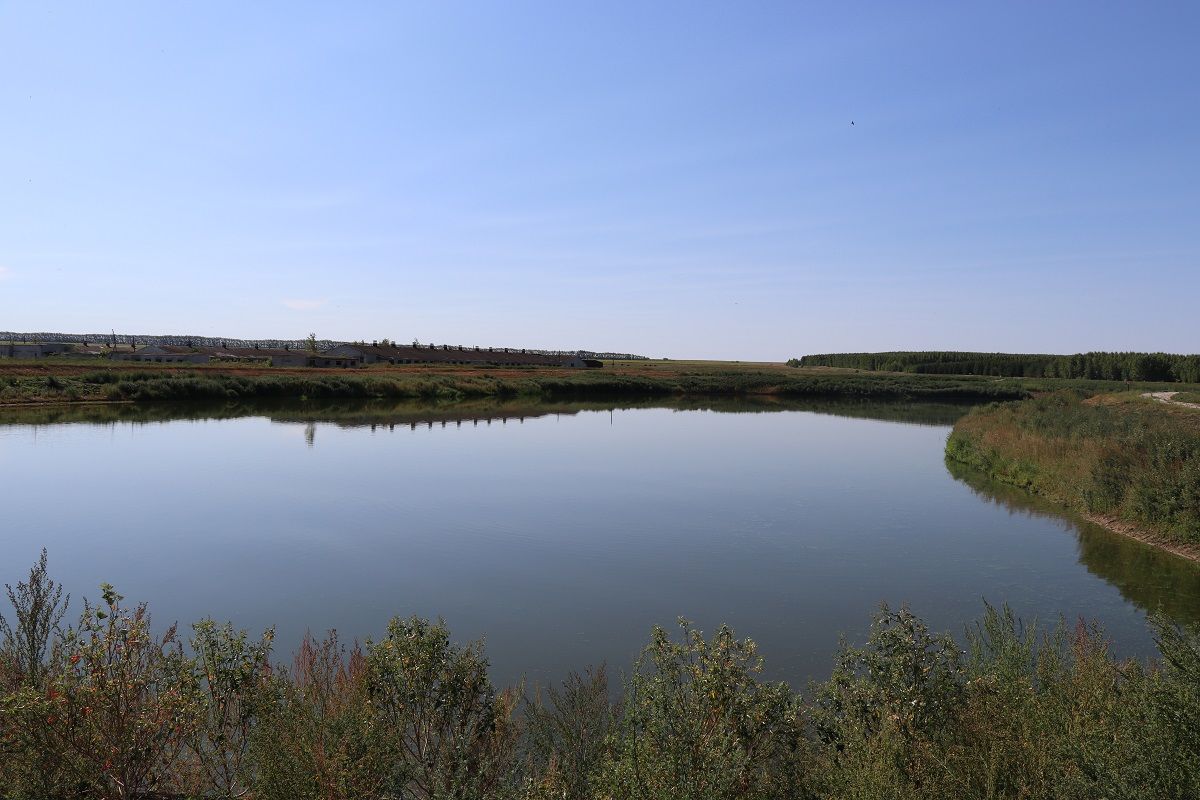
[[1169, 399]]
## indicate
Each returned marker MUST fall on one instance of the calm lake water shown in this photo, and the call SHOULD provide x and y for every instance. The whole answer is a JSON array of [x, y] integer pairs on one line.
[[561, 534]]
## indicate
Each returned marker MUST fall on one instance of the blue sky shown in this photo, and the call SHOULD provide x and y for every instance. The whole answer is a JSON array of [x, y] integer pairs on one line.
[[675, 179]]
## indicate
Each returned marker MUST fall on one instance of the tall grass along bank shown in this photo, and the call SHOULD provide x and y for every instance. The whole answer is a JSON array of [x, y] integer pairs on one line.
[[51, 385], [1123, 459], [111, 706]]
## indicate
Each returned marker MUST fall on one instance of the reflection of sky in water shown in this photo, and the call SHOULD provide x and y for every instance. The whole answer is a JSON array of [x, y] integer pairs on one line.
[[560, 538]]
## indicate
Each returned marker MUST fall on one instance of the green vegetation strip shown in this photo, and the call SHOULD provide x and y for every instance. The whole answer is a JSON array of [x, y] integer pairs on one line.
[[1088, 366], [1125, 458], [110, 709], [206, 385]]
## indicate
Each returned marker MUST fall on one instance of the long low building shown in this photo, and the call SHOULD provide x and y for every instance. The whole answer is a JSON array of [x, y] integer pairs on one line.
[[286, 357], [457, 354], [35, 349], [277, 357], [300, 358], [168, 354]]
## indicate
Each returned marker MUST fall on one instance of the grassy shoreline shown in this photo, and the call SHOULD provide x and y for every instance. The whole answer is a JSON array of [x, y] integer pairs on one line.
[[63, 382], [66, 381], [1135, 567], [1121, 461]]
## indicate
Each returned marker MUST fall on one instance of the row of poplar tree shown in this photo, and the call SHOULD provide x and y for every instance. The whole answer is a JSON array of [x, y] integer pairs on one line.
[[1094, 366]]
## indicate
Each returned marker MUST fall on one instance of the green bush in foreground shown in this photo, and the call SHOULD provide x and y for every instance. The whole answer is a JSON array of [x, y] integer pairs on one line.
[[112, 711]]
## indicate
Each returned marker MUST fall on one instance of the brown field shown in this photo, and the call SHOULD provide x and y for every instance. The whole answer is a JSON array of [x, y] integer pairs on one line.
[[77, 380], [16, 368]]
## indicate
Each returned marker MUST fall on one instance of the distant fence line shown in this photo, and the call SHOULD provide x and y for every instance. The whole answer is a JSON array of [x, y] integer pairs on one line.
[[294, 344]]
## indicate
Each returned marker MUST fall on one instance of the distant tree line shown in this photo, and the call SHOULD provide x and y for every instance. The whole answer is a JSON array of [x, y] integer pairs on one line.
[[1094, 366], [181, 340], [291, 344]]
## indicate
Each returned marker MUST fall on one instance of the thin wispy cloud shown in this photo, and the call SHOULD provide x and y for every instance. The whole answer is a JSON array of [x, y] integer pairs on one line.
[[298, 304], [5, 272]]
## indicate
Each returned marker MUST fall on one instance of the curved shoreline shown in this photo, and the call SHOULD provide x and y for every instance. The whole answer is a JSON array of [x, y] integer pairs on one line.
[[1191, 552], [1129, 530], [1121, 527], [1123, 453]]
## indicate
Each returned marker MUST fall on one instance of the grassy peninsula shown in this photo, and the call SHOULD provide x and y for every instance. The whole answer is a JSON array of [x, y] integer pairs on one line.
[[110, 707], [59, 382], [1123, 459]]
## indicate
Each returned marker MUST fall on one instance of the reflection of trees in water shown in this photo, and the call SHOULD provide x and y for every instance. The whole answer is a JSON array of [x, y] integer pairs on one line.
[[1146, 576], [912, 413], [354, 413]]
